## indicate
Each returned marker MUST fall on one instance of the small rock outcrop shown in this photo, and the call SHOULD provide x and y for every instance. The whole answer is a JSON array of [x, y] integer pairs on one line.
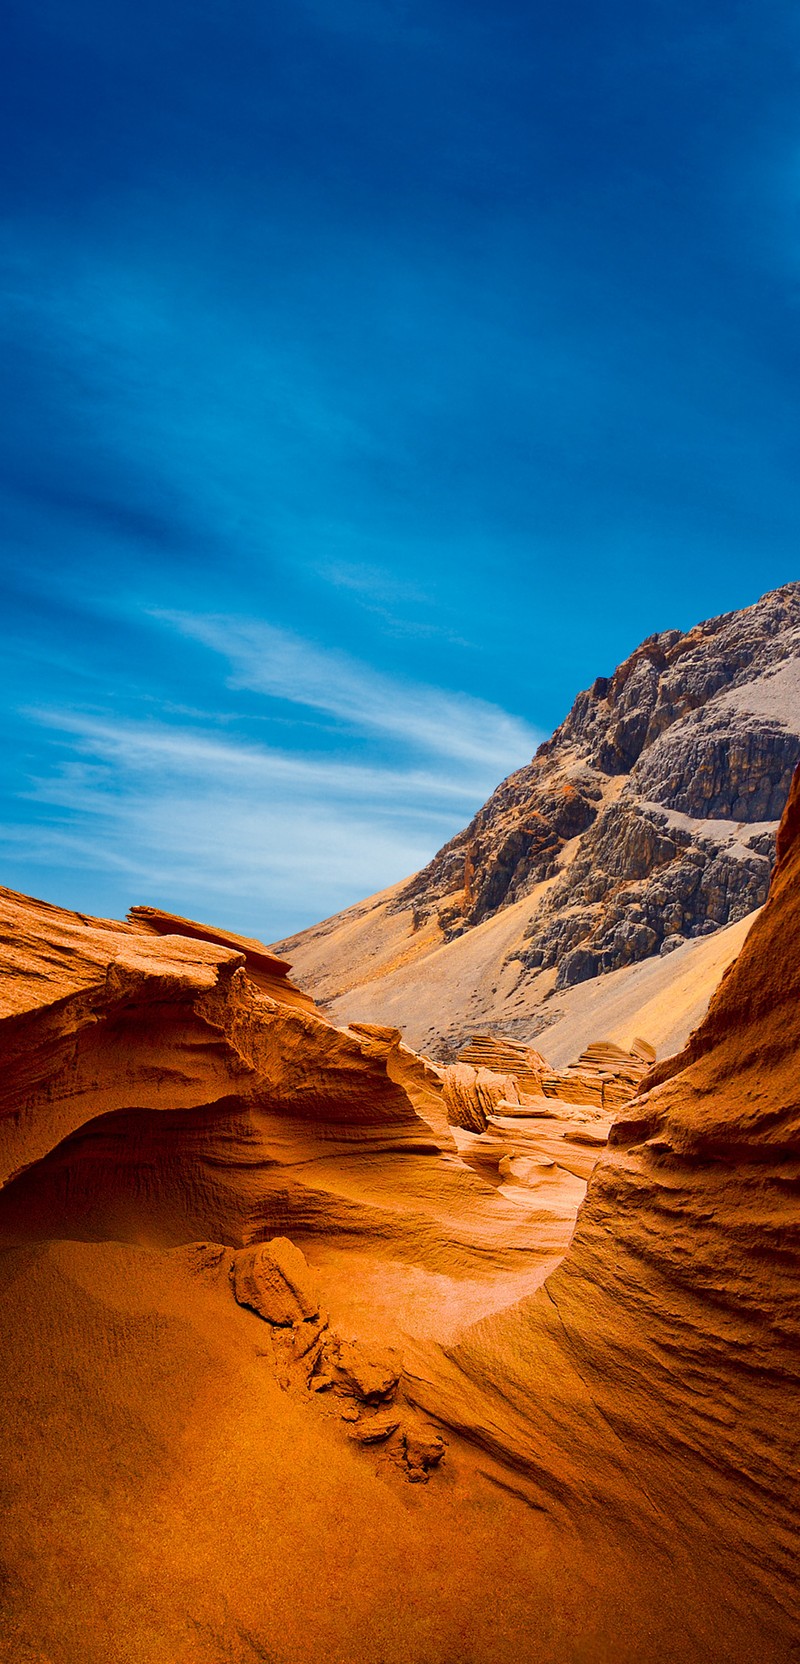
[[505, 1057], [268, 973], [371, 1376], [472, 1094]]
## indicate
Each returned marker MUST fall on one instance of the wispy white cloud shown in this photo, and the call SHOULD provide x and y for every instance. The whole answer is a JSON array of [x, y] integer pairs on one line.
[[234, 831], [181, 811], [230, 863], [372, 582], [269, 660], [402, 607], [142, 747]]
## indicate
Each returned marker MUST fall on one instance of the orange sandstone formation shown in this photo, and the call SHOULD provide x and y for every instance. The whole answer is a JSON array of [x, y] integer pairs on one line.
[[269, 974], [152, 1091], [283, 1378], [151, 1088], [653, 1381]]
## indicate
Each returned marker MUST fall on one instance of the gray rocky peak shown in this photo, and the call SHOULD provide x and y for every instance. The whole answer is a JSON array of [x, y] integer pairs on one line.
[[651, 810]]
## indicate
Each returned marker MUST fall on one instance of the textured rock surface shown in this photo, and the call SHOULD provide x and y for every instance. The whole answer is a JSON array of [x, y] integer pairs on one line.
[[505, 1057], [151, 1092], [648, 819], [167, 1498], [547, 1140], [269, 974], [149, 1088], [273, 1279], [656, 1376], [472, 1094], [371, 1376], [601, 1470]]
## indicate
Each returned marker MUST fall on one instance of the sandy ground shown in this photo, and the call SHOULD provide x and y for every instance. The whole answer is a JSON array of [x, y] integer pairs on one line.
[[661, 999], [167, 1502]]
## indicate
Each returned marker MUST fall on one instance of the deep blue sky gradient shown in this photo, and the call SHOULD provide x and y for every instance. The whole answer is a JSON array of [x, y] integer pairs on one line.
[[376, 374]]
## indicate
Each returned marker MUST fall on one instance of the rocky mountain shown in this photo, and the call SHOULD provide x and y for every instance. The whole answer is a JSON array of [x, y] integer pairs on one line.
[[646, 821]]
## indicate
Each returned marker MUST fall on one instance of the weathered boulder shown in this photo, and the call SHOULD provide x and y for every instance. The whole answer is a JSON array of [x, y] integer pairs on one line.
[[274, 1280], [368, 1374], [423, 1449], [377, 1430]]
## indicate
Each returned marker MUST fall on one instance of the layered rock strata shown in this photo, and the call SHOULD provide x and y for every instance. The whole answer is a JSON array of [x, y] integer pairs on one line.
[[152, 1091], [539, 1128], [132, 1065], [505, 1057], [268, 973]]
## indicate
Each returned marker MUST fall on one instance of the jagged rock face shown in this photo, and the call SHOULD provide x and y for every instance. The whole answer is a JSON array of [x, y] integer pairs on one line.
[[646, 823], [691, 729], [638, 881], [513, 842], [721, 765]]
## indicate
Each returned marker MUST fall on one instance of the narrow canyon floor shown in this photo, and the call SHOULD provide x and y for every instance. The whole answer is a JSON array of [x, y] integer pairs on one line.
[[169, 1496]]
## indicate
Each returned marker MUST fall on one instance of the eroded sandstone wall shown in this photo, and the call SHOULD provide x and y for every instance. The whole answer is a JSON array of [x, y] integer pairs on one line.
[[653, 1381]]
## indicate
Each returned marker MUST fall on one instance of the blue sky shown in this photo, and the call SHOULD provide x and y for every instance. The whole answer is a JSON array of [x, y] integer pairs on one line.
[[376, 374]]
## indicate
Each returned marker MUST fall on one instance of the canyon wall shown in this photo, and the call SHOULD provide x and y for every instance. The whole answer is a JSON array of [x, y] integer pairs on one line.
[[654, 1379]]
